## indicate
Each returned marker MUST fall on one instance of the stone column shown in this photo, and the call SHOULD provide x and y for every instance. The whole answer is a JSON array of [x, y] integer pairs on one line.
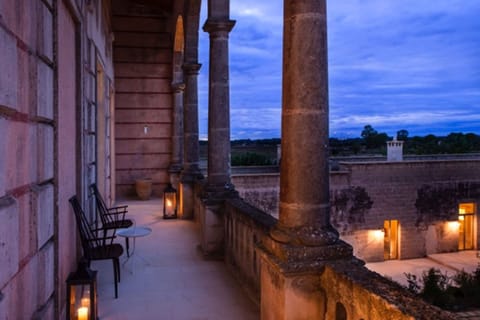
[[304, 173], [191, 171], [303, 241], [176, 161], [218, 26], [219, 186]]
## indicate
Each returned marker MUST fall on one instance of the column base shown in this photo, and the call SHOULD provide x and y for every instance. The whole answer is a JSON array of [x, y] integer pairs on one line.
[[212, 229], [291, 278], [188, 179]]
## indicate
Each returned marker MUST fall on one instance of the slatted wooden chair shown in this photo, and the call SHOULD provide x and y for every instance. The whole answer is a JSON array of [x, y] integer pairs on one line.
[[112, 217], [95, 247]]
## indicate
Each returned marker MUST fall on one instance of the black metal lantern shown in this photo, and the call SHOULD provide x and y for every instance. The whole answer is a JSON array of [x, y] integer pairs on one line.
[[82, 293], [169, 202]]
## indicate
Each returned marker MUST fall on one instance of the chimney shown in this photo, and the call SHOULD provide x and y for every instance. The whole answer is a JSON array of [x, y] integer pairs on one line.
[[394, 150]]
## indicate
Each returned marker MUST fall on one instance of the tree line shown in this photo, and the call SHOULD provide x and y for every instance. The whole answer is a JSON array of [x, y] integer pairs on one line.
[[371, 142]]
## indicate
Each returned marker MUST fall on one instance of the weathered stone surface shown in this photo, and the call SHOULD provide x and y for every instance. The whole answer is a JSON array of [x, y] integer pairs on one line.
[[143, 116], [45, 152], [143, 100], [148, 55], [21, 150], [129, 176], [9, 239], [43, 206], [145, 40], [142, 146], [142, 161], [44, 91], [144, 85], [143, 70], [27, 231], [4, 128], [147, 24], [8, 65], [21, 18], [213, 234], [45, 32], [45, 273], [138, 131]]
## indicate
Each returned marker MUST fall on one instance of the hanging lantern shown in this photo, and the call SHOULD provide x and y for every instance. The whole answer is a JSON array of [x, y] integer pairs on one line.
[[169, 202], [82, 293]]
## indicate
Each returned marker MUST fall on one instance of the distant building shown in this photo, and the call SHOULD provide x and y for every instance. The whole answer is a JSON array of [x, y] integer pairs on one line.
[[394, 209]]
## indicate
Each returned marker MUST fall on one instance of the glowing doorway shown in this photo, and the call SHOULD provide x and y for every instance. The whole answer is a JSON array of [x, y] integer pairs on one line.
[[391, 239], [466, 230]]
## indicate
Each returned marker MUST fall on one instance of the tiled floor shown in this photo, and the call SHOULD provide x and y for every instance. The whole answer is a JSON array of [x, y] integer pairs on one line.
[[170, 279]]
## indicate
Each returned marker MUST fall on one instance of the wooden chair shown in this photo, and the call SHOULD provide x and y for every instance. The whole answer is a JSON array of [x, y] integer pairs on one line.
[[112, 217], [94, 247]]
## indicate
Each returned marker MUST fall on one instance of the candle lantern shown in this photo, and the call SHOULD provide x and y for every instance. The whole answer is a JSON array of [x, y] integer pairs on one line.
[[169, 202], [82, 293]]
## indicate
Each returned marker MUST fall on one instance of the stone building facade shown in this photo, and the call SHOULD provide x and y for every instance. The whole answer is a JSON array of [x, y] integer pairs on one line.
[[393, 209], [105, 92]]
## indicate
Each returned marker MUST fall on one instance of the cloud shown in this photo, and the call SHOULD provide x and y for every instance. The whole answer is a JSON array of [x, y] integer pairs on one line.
[[397, 64]]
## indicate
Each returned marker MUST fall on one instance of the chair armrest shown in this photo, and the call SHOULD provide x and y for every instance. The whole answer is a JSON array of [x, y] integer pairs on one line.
[[119, 208]]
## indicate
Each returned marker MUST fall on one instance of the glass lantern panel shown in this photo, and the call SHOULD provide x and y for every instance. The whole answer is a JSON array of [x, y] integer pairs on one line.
[[80, 302]]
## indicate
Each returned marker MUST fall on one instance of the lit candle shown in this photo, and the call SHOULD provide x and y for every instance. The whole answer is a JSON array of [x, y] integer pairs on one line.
[[83, 313], [85, 302], [169, 203]]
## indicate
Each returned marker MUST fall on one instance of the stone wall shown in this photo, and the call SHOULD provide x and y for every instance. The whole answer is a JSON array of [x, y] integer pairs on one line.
[[45, 96], [27, 171], [320, 292], [143, 51], [365, 194], [245, 228]]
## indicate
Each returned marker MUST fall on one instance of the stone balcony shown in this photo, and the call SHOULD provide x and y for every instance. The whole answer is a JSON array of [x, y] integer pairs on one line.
[[167, 277]]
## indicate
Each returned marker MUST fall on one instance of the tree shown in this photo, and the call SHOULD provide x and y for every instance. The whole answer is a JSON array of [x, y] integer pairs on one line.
[[402, 135], [368, 132], [373, 139]]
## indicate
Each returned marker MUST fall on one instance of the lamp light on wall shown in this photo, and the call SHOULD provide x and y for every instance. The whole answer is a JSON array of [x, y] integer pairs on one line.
[[82, 293], [169, 202]]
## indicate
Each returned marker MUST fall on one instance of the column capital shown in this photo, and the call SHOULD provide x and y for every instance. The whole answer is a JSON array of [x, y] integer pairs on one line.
[[178, 87], [191, 68], [212, 26]]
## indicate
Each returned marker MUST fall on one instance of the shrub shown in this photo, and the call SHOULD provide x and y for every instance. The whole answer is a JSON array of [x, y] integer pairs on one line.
[[459, 292]]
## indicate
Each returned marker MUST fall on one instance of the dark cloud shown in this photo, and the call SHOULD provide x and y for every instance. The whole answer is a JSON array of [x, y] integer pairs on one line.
[[397, 64]]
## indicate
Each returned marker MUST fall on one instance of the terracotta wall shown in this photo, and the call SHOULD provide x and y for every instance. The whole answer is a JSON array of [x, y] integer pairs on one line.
[[45, 96], [27, 120], [143, 110]]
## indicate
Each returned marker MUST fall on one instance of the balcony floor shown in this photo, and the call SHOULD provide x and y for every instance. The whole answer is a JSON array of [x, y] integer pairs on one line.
[[167, 277]]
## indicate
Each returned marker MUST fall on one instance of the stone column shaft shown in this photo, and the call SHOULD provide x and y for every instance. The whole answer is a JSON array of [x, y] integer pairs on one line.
[[304, 177], [177, 129], [219, 104], [190, 120]]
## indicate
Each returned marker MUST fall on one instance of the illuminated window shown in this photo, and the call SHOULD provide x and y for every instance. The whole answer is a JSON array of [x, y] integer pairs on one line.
[[390, 239], [466, 229]]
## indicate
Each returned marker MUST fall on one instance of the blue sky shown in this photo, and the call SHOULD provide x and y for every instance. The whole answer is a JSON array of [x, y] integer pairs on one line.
[[393, 64]]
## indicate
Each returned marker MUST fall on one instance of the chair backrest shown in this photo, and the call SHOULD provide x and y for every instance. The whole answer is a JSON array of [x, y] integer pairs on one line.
[[101, 206], [87, 236]]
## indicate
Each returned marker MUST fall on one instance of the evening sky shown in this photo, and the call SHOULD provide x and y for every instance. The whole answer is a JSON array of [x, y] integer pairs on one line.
[[393, 64]]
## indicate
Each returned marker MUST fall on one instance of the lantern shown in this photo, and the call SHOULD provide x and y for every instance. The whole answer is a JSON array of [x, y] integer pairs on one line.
[[169, 202], [82, 293]]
